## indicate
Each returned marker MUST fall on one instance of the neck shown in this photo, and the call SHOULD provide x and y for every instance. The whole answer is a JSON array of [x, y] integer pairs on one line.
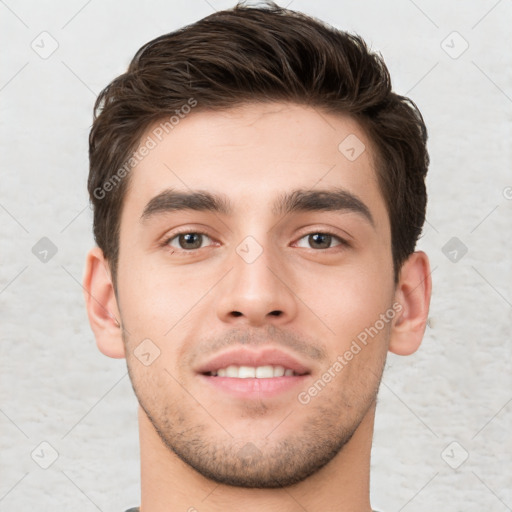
[[168, 484]]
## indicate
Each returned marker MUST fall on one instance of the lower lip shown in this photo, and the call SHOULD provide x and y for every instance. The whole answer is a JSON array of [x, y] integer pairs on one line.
[[255, 388]]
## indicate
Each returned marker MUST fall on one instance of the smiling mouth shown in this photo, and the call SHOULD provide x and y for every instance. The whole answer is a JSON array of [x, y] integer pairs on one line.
[[254, 372]]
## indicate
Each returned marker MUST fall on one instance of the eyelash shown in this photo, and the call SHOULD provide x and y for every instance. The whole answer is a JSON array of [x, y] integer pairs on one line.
[[167, 241]]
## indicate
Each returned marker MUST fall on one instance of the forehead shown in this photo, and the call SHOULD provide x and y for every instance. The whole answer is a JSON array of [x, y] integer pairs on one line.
[[255, 153]]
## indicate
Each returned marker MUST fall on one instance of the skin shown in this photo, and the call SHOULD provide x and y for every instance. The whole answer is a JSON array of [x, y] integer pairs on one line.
[[209, 450]]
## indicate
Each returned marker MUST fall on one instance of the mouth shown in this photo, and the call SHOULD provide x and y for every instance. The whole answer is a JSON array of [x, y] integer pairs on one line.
[[248, 374], [253, 372]]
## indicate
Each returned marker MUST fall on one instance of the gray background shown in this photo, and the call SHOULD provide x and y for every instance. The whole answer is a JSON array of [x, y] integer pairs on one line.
[[450, 400]]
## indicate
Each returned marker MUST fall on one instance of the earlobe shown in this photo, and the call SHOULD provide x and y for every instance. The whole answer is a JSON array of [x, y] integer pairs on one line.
[[413, 293], [101, 304]]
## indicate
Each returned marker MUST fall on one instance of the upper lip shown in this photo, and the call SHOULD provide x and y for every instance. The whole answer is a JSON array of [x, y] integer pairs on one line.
[[245, 357]]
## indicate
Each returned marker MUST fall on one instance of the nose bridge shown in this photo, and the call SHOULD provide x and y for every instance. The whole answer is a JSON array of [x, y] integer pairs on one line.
[[252, 269], [253, 292]]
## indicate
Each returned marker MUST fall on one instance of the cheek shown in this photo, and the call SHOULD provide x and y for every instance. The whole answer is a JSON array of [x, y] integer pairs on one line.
[[151, 297], [350, 298]]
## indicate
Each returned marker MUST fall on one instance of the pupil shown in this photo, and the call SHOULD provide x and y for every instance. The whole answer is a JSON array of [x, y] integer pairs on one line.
[[187, 241], [321, 239]]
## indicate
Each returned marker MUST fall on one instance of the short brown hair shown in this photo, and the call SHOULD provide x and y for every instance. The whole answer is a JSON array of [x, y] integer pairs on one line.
[[255, 54]]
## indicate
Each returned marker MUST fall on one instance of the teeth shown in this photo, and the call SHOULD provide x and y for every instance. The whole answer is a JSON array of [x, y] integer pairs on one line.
[[243, 372], [232, 371], [278, 371], [248, 372], [264, 372]]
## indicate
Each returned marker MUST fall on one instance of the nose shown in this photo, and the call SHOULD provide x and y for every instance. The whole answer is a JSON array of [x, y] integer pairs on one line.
[[256, 291]]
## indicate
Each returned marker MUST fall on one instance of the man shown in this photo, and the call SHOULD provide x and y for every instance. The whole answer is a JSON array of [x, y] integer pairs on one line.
[[258, 192]]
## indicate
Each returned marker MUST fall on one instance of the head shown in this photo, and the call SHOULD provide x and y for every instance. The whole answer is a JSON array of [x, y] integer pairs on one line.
[[256, 184]]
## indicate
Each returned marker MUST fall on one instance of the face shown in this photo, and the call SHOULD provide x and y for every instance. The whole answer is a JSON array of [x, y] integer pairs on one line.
[[254, 256]]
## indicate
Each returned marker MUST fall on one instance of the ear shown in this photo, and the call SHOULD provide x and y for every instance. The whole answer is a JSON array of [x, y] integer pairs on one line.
[[413, 294], [101, 304]]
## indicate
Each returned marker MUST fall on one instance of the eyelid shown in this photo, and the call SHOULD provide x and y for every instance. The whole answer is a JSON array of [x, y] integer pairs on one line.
[[343, 242], [183, 231], [343, 237]]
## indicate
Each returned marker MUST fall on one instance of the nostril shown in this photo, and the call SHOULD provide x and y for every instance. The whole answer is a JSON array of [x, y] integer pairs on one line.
[[276, 313], [236, 313]]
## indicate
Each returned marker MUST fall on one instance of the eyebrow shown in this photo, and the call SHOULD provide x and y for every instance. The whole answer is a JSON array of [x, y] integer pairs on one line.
[[299, 200]]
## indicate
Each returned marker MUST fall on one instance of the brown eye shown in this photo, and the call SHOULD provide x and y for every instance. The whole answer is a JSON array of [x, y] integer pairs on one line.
[[188, 241], [320, 241]]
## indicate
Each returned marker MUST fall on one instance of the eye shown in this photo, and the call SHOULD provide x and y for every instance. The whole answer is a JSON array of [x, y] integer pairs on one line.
[[321, 240], [188, 241]]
